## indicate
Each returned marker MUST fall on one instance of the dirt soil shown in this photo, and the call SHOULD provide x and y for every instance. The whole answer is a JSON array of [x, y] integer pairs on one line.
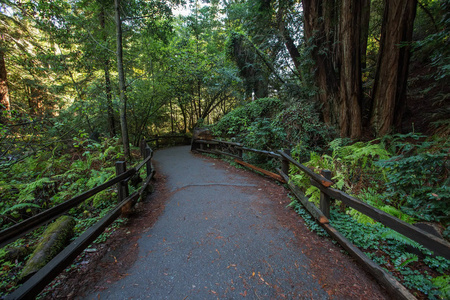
[[101, 264]]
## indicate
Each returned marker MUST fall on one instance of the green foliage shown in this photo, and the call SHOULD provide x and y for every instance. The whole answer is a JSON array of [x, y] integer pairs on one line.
[[417, 178], [352, 166], [373, 171], [60, 178], [307, 218], [252, 124], [443, 283], [236, 122], [387, 248], [303, 128]]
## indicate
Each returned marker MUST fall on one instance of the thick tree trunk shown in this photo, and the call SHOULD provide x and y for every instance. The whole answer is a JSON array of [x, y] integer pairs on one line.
[[4, 91], [122, 85], [334, 30], [320, 21], [389, 91], [108, 90], [350, 89]]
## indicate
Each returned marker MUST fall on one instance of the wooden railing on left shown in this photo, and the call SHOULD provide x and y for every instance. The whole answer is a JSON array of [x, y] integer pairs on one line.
[[33, 286]]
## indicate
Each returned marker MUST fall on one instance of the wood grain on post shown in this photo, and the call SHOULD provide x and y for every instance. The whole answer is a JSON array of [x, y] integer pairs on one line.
[[148, 153], [325, 200], [122, 187]]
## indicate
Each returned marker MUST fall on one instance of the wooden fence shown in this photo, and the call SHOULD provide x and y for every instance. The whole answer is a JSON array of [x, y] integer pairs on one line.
[[174, 138], [327, 193], [33, 286]]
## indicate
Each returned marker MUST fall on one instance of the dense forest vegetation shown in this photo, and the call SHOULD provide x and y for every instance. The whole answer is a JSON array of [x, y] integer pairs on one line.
[[359, 87]]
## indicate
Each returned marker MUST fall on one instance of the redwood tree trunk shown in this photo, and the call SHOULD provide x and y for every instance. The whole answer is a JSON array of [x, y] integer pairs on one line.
[[334, 30], [4, 91], [350, 89], [320, 21], [389, 91], [122, 86]]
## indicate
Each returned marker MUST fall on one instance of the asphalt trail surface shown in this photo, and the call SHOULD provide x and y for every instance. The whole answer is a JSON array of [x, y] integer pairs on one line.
[[214, 241]]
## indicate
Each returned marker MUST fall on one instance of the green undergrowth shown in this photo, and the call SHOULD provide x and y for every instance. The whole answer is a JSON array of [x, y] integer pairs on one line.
[[50, 177], [406, 176]]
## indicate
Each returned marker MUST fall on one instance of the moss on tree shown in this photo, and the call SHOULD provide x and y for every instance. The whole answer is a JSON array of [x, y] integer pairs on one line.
[[53, 240]]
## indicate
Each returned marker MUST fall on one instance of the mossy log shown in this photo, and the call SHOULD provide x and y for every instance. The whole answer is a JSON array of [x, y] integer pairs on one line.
[[54, 239]]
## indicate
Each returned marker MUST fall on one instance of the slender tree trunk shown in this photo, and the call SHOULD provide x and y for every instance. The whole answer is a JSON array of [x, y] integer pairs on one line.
[[171, 114], [108, 90], [4, 91], [122, 85], [389, 91], [365, 22]]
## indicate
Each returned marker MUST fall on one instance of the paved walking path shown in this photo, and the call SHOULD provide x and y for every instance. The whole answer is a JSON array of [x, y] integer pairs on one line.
[[214, 240]]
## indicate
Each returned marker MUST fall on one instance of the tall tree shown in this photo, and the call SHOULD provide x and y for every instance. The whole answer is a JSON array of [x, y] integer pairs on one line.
[[320, 22], [4, 93], [106, 68], [389, 90], [122, 84], [350, 88]]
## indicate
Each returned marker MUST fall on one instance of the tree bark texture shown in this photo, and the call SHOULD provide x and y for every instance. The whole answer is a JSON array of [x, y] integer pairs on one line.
[[122, 85], [4, 91], [320, 21], [389, 90], [108, 90], [350, 89], [333, 30]]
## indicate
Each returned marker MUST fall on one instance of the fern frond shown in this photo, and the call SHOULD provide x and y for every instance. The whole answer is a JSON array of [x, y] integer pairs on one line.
[[19, 206], [405, 259], [394, 235]]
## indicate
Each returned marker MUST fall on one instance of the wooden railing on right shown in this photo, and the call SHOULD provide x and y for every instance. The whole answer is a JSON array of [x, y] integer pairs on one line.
[[323, 182]]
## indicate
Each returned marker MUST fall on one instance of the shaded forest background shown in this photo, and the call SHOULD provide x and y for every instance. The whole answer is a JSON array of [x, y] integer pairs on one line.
[[359, 87]]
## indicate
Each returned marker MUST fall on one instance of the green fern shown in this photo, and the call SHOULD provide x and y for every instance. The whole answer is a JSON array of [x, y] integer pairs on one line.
[[404, 259], [19, 206], [28, 190], [394, 235], [443, 284], [397, 213]]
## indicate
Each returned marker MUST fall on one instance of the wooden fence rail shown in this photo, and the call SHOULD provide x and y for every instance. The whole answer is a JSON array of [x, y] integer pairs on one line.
[[323, 182], [33, 286], [157, 138]]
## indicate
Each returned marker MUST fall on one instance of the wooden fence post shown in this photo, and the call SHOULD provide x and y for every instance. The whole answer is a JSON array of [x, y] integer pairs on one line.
[[285, 162], [122, 187], [240, 153], [148, 152], [142, 147], [325, 200]]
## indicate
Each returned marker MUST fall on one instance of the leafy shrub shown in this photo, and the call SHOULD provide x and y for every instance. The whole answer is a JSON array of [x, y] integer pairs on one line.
[[351, 165], [418, 179], [237, 121], [303, 128]]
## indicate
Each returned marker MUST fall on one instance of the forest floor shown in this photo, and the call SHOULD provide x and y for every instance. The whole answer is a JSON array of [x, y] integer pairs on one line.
[[211, 230]]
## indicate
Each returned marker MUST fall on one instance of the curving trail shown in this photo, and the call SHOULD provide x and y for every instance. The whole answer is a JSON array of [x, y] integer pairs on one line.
[[227, 233]]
